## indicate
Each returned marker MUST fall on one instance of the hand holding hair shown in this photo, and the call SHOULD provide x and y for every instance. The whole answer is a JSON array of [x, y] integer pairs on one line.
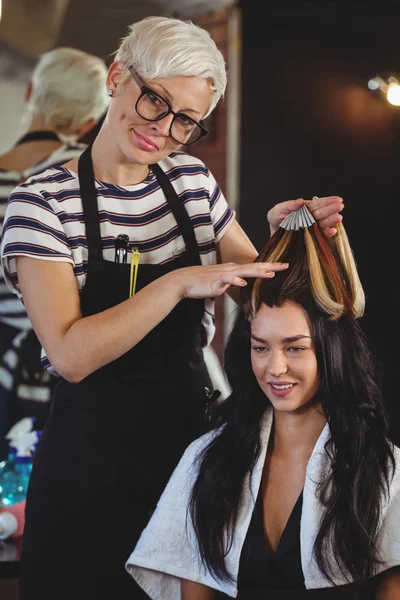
[[325, 211], [329, 267]]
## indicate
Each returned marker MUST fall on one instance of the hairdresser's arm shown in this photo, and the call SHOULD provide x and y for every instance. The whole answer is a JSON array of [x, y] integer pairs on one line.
[[196, 591], [76, 345], [325, 211], [235, 247], [389, 585]]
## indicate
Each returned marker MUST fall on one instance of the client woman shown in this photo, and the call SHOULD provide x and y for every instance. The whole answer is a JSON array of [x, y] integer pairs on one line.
[[297, 494]]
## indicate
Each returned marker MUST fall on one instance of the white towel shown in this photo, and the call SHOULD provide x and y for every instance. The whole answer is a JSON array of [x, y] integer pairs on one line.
[[167, 549]]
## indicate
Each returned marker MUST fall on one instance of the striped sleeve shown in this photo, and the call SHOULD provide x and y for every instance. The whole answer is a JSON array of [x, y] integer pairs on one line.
[[222, 215], [31, 228]]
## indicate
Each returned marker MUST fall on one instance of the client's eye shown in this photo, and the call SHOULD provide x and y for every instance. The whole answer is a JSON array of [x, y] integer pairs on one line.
[[259, 349], [295, 349]]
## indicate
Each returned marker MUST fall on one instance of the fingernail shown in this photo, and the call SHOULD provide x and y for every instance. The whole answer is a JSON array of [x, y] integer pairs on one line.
[[243, 282], [270, 274], [285, 264]]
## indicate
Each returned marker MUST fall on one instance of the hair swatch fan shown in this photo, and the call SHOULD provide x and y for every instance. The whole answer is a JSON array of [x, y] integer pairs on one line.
[[327, 266]]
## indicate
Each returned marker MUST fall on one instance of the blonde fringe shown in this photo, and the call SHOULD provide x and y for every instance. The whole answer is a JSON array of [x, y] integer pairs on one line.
[[278, 252], [350, 268], [274, 256], [320, 290]]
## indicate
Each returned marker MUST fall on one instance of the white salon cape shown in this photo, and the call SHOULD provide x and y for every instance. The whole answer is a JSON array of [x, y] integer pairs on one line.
[[167, 549]]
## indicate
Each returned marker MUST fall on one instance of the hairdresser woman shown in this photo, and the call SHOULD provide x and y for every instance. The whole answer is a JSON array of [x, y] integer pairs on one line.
[[126, 343]]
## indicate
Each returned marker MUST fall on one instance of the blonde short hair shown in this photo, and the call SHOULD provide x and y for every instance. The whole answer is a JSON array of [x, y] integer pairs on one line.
[[69, 89], [159, 47]]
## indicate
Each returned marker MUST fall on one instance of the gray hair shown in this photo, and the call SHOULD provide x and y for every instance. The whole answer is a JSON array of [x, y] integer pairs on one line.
[[68, 89], [161, 47]]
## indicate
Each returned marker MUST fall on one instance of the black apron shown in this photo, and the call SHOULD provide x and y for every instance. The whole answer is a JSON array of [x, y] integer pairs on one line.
[[112, 441]]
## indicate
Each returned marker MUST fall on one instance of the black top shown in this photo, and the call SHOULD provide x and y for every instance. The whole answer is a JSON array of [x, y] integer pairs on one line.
[[265, 575], [260, 565]]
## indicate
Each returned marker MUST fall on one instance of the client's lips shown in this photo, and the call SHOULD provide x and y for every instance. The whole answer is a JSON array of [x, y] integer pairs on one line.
[[281, 389], [144, 142]]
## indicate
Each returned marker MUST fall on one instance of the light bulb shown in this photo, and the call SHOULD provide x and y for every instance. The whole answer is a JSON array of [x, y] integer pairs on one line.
[[393, 94], [373, 84]]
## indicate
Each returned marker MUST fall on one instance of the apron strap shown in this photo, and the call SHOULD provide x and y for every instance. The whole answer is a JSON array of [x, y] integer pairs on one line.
[[89, 204], [38, 136], [181, 216], [91, 215]]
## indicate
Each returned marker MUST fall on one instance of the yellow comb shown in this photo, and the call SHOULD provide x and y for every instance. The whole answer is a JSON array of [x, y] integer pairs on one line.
[[134, 271]]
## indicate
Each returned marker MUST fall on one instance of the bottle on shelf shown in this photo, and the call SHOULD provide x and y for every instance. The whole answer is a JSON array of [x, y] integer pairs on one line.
[[14, 483], [14, 478]]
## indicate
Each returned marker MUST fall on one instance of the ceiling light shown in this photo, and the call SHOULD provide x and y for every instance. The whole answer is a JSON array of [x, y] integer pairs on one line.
[[393, 94], [390, 88]]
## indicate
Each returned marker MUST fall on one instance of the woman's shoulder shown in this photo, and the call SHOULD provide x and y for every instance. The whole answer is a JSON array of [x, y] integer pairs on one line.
[[49, 183], [195, 449], [54, 176], [391, 499], [182, 479], [395, 480], [188, 466]]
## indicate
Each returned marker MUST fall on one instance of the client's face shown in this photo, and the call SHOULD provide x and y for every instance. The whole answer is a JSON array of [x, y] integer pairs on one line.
[[283, 356]]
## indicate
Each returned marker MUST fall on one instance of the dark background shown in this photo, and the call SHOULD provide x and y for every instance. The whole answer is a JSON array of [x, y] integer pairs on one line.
[[310, 126]]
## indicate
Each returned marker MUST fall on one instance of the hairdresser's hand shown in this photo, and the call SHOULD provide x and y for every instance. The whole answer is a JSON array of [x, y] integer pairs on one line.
[[214, 280], [325, 211]]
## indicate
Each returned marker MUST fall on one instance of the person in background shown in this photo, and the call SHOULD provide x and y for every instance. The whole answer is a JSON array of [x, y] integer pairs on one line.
[[297, 494], [118, 257], [64, 100]]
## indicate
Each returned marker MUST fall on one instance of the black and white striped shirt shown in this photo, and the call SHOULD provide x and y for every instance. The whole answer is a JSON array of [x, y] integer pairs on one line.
[[12, 311], [44, 220]]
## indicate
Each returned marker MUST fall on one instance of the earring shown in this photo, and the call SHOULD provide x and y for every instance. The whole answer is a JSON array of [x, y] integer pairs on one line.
[[110, 92]]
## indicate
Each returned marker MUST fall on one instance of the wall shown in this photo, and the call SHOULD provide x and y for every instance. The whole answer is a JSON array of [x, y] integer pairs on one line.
[[32, 26], [96, 26], [213, 148], [311, 127]]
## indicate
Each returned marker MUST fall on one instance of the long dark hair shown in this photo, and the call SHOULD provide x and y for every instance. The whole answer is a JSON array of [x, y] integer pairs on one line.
[[359, 447]]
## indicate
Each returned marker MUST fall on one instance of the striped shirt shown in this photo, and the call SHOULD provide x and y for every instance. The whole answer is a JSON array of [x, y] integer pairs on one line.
[[12, 311], [44, 220]]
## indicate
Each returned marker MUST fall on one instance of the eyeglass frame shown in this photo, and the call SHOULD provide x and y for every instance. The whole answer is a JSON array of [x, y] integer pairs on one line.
[[144, 89]]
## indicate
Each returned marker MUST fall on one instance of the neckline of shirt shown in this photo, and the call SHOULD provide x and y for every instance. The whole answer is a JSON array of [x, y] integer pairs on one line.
[[106, 184]]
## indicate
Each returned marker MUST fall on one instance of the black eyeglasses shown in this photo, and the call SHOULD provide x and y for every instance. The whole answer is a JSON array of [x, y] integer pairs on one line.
[[152, 107]]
